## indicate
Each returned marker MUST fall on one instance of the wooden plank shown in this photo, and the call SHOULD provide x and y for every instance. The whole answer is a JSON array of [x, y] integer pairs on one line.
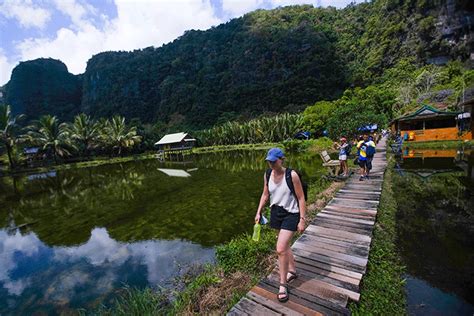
[[360, 197], [328, 267], [353, 206], [367, 228], [344, 190], [303, 275], [361, 262], [338, 233], [291, 304], [346, 218], [344, 250], [328, 259], [358, 243], [373, 202], [343, 243], [305, 299], [347, 209], [333, 225], [330, 244], [253, 308], [349, 215], [235, 311], [321, 288], [272, 304], [311, 271]]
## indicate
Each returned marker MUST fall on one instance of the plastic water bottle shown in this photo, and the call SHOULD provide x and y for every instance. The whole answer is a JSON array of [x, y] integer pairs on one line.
[[256, 232]]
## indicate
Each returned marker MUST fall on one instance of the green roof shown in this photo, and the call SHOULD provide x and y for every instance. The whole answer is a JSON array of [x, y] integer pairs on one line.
[[426, 111]]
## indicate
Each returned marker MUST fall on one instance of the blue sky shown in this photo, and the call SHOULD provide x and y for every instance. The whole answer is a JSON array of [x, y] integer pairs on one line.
[[74, 30]]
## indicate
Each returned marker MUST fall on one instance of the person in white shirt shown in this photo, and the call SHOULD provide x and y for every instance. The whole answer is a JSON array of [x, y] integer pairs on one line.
[[288, 211]]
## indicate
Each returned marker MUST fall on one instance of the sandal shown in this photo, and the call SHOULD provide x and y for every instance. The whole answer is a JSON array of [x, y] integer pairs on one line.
[[292, 277], [286, 292]]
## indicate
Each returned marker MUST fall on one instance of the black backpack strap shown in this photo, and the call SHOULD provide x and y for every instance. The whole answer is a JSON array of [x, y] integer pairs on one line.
[[268, 173], [289, 181]]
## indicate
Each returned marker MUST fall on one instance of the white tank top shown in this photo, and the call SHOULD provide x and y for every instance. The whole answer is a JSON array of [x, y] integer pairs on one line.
[[281, 195]]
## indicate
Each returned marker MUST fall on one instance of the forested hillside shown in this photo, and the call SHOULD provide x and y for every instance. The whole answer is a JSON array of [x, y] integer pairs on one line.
[[267, 61]]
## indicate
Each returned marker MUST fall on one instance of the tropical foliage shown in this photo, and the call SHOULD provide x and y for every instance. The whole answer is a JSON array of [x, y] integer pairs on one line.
[[85, 132], [60, 140], [52, 136], [266, 62], [263, 130], [9, 131], [117, 135]]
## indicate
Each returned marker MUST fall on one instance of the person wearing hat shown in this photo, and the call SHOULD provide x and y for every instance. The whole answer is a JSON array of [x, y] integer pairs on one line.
[[342, 147], [287, 214]]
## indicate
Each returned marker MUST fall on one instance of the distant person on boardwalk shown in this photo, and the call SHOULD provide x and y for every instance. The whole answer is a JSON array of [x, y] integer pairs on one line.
[[343, 148], [287, 214], [362, 156], [370, 151]]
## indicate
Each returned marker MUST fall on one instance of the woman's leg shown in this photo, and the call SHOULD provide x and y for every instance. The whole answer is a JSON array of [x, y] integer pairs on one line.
[[284, 256], [346, 168]]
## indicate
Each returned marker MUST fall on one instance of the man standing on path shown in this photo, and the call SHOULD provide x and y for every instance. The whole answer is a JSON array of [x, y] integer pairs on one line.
[[370, 151], [362, 155]]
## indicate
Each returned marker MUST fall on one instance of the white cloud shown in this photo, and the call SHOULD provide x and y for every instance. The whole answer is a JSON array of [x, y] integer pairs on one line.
[[138, 25], [235, 8], [28, 245], [6, 67], [25, 12], [75, 10]]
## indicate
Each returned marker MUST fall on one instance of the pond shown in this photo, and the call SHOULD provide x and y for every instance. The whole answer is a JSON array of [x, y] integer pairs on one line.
[[90, 231], [435, 222]]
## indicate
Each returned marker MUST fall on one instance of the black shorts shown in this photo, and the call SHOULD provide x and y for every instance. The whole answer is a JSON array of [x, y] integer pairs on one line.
[[282, 219], [362, 163]]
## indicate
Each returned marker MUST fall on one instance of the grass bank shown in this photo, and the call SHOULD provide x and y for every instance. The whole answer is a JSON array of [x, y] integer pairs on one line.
[[382, 288], [200, 150], [440, 144], [97, 161], [240, 264]]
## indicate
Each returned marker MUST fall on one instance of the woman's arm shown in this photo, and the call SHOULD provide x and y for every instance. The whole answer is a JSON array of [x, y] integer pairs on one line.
[[301, 201], [263, 199]]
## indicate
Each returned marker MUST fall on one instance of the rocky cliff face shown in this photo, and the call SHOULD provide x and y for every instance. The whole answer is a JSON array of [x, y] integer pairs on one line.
[[44, 86]]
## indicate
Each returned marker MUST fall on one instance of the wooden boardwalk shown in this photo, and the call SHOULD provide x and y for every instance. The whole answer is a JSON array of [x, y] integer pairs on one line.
[[331, 255]]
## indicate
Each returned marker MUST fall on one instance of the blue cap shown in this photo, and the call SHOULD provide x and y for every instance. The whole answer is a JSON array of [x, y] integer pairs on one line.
[[273, 154]]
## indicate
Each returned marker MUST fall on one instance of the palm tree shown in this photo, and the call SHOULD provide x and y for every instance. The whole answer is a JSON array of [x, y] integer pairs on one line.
[[8, 130], [85, 131], [116, 134], [51, 135]]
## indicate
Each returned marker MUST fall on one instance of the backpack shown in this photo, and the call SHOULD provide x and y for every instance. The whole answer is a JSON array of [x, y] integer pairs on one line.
[[370, 150], [289, 182], [348, 149]]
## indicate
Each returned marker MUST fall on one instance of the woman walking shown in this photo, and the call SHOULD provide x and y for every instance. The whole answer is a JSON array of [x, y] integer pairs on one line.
[[287, 214]]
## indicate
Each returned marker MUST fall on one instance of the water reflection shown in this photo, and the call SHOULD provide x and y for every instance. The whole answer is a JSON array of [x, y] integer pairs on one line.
[[154, 216], [435, 219], [39, 276]]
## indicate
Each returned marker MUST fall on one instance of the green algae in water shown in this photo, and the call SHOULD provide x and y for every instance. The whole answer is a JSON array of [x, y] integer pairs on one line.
[[140, 223]]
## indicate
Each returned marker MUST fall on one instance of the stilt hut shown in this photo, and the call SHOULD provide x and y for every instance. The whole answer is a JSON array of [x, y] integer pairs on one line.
[[176, 142]]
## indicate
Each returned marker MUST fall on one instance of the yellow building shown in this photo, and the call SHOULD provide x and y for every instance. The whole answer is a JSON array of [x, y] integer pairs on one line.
[[428, 123]]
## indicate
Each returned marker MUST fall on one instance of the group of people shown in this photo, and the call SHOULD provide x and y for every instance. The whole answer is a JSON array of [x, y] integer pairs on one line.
[[284, 188], [365, 145]]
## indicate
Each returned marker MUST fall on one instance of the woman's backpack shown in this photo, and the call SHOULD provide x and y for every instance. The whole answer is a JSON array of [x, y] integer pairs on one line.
[[289, 182], [348, 149]]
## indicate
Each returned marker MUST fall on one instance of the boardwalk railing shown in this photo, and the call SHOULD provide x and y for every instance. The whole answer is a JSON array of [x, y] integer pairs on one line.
[[331, 255]]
